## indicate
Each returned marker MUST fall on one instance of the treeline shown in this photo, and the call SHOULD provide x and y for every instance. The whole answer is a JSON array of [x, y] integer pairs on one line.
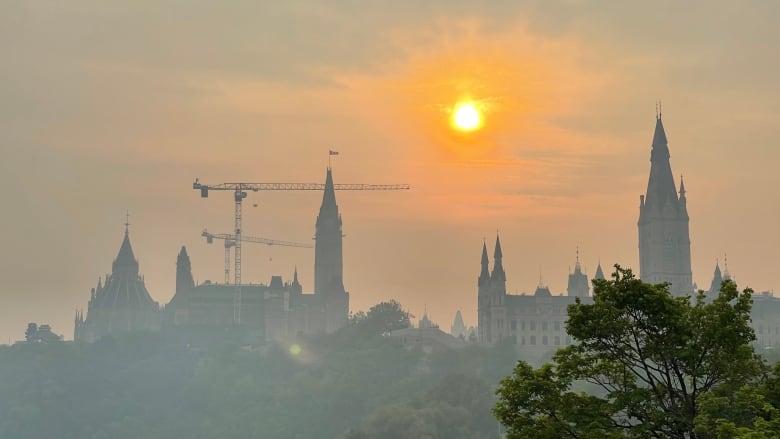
[[351, 384]]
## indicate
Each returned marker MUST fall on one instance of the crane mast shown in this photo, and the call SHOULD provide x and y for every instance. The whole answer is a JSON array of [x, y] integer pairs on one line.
[[232, 240]]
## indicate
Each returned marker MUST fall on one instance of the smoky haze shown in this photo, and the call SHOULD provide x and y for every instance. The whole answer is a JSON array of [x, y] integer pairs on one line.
[[108, 108]]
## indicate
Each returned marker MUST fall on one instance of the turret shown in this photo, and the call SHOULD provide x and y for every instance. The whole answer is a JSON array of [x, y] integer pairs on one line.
[[599, 272], [484, 274], [578, 281], [184, 279], [498, 276], [717, 280], [296, 286]]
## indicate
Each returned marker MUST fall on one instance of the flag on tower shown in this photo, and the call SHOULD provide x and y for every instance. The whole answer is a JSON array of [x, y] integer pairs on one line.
[[332, 152]]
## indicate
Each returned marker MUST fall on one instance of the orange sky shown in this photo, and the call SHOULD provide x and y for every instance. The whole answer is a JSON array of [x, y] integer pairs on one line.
[[111, 107]]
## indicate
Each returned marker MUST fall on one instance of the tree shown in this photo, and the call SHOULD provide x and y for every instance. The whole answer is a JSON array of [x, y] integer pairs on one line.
[[383, 317], [652, 359]]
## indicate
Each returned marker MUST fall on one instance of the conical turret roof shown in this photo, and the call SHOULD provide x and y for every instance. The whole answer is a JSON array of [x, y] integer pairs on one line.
[[125, 254], [599, 272]]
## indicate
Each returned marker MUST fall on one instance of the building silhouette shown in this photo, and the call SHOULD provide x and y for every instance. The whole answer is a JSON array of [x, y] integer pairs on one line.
[[275, 310], [121, 304], [664, 239], [533, 323]]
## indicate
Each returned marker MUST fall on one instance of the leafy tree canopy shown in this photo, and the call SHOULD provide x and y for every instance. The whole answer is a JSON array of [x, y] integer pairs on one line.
[[658, 363]]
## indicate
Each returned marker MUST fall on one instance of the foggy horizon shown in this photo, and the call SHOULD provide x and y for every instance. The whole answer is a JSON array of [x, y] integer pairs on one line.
[[110, 109]]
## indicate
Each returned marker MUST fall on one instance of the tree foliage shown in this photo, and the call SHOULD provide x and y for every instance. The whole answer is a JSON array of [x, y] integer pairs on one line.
[[653, 360], [382, 318], [353, 383]]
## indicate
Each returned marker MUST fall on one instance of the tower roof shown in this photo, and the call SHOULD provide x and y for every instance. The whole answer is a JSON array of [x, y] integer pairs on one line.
[[329, 194], [125, 255], [717, 279], [485, 260], [183, 254], [498, 265], [660, 187], [599, 272]]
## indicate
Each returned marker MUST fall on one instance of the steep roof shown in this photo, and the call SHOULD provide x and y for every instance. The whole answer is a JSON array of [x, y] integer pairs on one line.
[[660, 186], [599, 272]]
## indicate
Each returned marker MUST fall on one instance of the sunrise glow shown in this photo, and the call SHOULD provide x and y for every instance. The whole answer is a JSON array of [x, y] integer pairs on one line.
[[466, 117]]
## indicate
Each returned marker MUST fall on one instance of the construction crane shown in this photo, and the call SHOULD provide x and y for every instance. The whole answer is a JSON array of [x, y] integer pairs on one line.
[[240, 191], [231, 240]]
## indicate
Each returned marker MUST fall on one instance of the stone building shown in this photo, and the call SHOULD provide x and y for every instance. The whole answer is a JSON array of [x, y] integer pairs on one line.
[[121, 303], [664, 239], [534, 323], [278, 309]]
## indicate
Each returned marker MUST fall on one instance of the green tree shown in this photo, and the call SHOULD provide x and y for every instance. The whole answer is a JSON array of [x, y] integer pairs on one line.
[[651, 357], [383, 317]]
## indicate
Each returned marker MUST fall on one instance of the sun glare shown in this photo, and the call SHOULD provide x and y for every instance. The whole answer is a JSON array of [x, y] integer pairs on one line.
[[466, 117]]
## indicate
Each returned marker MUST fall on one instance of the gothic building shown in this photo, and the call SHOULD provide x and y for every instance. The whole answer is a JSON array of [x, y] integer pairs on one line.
[[328, 260], [278, 309], [664, 239], [534, 323], [121, 304]]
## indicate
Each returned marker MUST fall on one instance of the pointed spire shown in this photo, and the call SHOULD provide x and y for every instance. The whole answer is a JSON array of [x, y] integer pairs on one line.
[[717, 279], [577, 266], [125, 254], [184, 279], [295, 276], [498, 265], [682, 187], [484, 274], [660, 186], [599, 271], [726, 274], [329, 194], [125, 262]]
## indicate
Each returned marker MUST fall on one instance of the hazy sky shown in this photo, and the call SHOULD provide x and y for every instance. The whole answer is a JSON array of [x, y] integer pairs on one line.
[[114, 106]]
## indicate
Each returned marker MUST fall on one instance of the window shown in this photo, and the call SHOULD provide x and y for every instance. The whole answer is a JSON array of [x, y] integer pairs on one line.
[[544, 325], [532, 323], [557, 325], [522, 325], [514, 325], [533, 340], [544, 340], [557, 341]]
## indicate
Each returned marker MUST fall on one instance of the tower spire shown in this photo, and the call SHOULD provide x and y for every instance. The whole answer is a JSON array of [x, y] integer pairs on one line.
[[484, 274], [498, 274]]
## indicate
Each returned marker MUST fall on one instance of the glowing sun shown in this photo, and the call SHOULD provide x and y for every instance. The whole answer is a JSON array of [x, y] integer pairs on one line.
[[466, 117]]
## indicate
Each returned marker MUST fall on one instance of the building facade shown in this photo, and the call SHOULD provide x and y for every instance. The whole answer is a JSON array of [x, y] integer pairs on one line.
[[534, 323]]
